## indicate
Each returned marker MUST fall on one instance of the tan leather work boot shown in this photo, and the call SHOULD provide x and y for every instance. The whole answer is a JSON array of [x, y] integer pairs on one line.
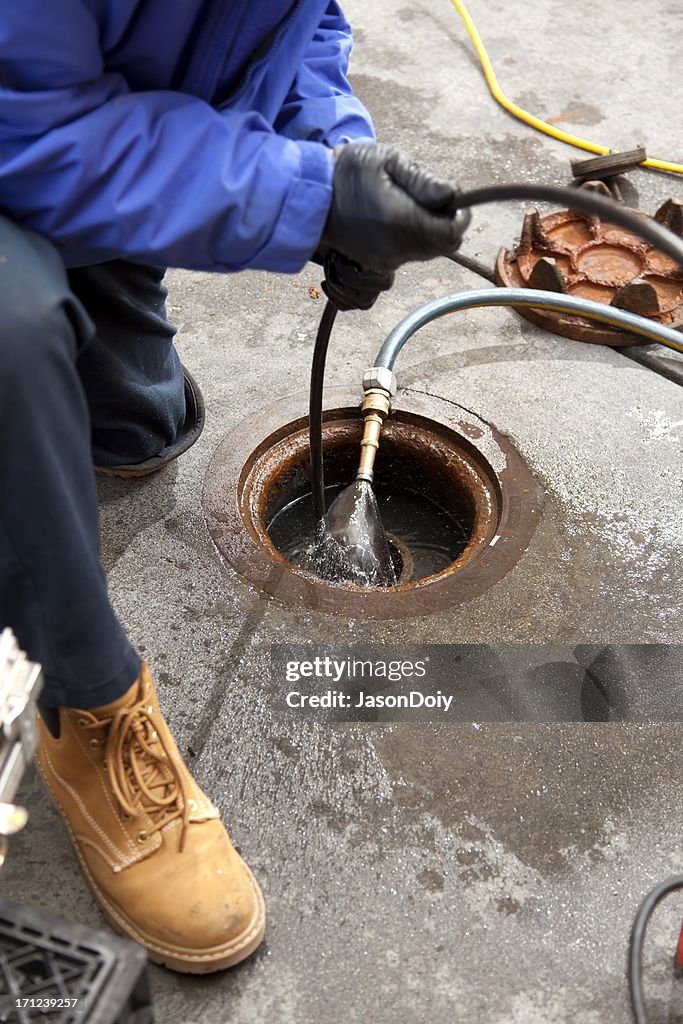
[[151, 844]]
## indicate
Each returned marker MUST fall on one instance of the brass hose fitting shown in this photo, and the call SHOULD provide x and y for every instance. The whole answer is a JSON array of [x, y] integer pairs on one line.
[[376, 408], [379, 385]]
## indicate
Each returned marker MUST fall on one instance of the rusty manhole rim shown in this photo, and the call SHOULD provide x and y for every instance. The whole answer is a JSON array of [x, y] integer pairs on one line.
[[246, 547]]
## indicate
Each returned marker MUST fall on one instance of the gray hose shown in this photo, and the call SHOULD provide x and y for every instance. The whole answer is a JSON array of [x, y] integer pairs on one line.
[[535, 298]]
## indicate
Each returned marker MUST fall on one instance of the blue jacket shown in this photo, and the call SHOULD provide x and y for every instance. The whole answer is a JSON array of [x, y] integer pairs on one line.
[[189, 133]]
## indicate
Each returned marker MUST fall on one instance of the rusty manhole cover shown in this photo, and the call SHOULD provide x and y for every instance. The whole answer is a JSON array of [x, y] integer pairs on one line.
[[453, 457], [583, 255]]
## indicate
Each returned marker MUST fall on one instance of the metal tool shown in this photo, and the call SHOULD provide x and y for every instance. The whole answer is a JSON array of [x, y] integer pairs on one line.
[[610, 164], [20, 683]]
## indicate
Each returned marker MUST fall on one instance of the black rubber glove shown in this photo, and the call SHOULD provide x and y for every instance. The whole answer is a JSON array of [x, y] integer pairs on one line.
[[350, 286], [386, 210]]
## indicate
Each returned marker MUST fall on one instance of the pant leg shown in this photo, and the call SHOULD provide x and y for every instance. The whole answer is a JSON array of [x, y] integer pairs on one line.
[[131, 371], [53, 590]]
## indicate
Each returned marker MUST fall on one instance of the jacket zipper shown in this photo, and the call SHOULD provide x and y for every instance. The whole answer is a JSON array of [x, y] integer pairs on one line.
[[232, 23], [271, 49]]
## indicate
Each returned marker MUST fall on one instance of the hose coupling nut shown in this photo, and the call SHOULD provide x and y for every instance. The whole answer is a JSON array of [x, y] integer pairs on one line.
[[380, 377]]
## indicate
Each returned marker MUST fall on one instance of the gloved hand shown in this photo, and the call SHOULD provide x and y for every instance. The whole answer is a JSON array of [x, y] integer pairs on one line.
[[386, 210], [350, 286]]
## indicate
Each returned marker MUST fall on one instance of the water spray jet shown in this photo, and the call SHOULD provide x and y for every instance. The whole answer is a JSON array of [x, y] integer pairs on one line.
[[352, 545]]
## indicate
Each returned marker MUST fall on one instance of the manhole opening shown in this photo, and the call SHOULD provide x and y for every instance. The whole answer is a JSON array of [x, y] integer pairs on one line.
[[432, 451], [432, 498]]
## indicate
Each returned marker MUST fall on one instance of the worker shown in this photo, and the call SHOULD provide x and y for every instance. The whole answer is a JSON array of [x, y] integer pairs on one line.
[[137, 135]]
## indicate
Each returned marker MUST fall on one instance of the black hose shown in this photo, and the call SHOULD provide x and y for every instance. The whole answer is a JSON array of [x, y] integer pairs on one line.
[[474, 265], [635, 953], [581, 199], [315, 410]]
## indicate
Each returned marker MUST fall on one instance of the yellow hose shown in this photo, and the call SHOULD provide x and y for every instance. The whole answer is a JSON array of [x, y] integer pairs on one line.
[[536, 122]]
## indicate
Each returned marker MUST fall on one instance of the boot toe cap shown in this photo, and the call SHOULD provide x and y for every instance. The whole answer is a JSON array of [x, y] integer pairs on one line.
[[199, 907]]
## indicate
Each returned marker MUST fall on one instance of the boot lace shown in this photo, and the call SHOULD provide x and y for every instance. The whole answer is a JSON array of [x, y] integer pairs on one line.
[[141, 768]]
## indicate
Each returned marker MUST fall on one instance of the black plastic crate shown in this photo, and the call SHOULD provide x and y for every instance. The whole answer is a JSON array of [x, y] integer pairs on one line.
[[47, 963]]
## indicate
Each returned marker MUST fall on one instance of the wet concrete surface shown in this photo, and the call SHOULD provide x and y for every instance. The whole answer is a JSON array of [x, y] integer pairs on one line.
[[481, 872]]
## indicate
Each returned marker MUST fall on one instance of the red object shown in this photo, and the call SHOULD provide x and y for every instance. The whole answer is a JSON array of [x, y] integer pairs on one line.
[[679, 951]]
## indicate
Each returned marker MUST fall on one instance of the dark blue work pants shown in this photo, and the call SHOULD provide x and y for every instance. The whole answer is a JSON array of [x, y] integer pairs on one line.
[[88, 373]]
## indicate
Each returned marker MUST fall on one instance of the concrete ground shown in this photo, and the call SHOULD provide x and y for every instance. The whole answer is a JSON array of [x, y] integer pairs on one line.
[[481, 872]]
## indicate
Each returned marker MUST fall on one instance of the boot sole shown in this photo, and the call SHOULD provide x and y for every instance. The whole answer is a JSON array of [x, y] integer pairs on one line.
[[183, 961]]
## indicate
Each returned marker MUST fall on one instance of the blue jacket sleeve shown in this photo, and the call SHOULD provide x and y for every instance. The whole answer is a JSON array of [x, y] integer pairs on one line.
[[156, 176], [320, 106]]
